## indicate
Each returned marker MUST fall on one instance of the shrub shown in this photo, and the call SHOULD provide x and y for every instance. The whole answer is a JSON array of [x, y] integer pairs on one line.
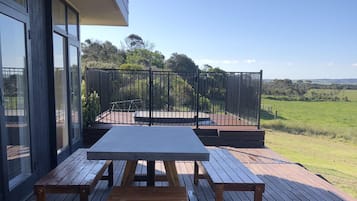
[[90, 105], [131, 67], [90, 108]]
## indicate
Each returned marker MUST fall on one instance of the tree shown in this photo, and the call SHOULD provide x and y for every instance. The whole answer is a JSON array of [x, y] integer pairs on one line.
[[134, 41], [145, 57], [131, 67], [96, 51], [181, 63]]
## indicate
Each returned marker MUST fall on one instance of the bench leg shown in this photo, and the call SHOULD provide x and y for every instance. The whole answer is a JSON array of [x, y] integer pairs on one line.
[[171, 173], [129, 173], [110, 175], [218, 190], [258, 193], [83, 195], [40, 194], [195, 174]]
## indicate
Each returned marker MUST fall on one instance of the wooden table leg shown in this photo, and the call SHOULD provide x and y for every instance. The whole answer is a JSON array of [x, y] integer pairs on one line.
[[83, 194], [150, 171], [218, 190], [40, 194], [171, 173], [111, 174], [129, 173], [258, 193], [195, 173]]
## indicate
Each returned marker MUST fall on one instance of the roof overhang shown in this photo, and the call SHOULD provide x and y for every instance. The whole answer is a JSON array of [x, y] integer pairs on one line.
[[102, 12]]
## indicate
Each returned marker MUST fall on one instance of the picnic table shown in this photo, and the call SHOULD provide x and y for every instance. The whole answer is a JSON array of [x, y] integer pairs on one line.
[[155, 143]]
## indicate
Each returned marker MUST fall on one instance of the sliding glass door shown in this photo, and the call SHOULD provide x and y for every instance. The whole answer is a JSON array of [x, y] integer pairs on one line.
[[16, 158], [75, 99], [66, 77], [60, 84]]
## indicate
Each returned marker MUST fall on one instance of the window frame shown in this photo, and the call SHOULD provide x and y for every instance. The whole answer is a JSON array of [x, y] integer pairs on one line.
[[11, 9], [71, 40]]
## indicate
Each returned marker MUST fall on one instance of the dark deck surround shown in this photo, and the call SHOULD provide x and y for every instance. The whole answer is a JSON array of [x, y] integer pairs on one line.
[[234, 136]]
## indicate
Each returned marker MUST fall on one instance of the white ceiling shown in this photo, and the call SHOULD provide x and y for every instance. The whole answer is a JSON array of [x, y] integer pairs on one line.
[[102, 12]]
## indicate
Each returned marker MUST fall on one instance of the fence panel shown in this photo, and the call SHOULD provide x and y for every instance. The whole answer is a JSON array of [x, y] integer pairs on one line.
[[170, 98]]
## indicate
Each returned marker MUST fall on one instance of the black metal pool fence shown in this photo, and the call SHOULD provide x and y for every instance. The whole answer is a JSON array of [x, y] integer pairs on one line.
[[166, 97]]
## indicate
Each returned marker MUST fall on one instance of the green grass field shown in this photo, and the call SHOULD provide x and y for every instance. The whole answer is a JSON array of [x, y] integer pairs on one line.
[[336, 161], [326, 143], [333, 119], [350, 94]]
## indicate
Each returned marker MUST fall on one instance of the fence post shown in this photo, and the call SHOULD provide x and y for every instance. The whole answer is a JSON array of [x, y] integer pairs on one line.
[[197, 95], [239, 96], [86, 81], [168, 91], [260, 97], [150, 96]]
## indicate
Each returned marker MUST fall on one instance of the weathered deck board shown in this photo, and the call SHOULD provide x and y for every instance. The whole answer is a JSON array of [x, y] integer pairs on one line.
[[284, 180]]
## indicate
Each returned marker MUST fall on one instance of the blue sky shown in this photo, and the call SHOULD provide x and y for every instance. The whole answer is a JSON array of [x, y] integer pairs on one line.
[[296, 39]]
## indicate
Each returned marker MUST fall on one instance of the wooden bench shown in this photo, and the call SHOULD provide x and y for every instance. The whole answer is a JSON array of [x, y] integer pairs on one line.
[[226, 173], [76, 174], [148, 194]]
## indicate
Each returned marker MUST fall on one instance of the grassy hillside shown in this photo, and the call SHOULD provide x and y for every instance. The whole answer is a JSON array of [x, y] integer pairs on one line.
[[333, 119], [336, 161], [350, 94]]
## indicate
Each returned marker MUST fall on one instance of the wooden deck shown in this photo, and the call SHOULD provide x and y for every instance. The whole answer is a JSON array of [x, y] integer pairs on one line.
[[283, 180], [187, 118]]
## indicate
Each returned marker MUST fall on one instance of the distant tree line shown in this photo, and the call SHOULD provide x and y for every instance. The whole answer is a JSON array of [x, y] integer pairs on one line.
[[137, 54], [304, 90]]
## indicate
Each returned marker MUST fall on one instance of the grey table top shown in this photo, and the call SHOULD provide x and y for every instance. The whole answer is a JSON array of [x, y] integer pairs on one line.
[[149, 143]]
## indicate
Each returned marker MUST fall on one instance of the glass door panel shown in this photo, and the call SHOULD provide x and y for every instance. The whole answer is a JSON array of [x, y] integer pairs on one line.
[[60, 84], [15, 94], [75, 93]]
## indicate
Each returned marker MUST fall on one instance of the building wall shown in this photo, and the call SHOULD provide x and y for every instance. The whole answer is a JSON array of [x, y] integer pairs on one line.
[[43, 150], [41, 50], [41, 99]]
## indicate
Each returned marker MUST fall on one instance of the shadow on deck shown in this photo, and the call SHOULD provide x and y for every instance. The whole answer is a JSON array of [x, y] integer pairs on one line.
[[283, 180]]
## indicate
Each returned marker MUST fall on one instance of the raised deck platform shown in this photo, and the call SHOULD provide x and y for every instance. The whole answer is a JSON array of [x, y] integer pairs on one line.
[[171, 117], [234, 136], [283, 180], [177, 118]]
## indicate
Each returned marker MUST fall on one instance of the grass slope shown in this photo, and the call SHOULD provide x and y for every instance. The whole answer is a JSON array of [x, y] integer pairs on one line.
[[336, 161], [334, 119], [350, 94]]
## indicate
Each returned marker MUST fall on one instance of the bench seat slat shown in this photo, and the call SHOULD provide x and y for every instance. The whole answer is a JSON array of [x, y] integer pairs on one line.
[[226, 173], [224, 167], [213, 172], [219, 169], [67, 167], [93, 174], [238, 169], [75, 174]]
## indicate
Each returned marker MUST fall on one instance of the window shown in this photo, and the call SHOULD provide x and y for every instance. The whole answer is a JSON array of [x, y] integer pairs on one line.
[[60, 83], [21, 2], [66, 76], [73, 23], [59, 15], [75, 93], [15, 92]]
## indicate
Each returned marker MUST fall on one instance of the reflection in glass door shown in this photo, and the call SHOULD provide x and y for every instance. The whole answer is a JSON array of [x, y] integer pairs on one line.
[[60, 83], [16, 131], [75, 93]]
